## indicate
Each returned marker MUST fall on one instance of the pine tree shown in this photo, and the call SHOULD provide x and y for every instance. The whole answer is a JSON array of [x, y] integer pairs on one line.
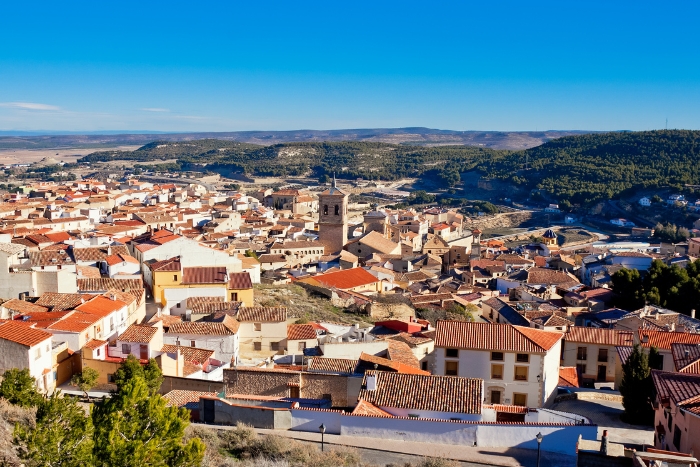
[[62, 436], [86, 380], [131, 368], [636, 387], [135, 428], [19, 387]]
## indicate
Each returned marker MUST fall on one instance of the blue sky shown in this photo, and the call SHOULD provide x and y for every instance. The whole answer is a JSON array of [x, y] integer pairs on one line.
[[227, 66]]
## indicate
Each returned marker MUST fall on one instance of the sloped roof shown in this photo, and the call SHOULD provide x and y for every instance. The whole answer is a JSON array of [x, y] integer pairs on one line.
[[664, 339], [228, 327], [601, 336], [205, 275], [103, 284], [262, 314], [300, 332], [368, 361], [190, 354], [183, 397], [488, 336], [686, 357], [568, 377], [683, 389], [139, 333], [23, 306], [333, 365], [399, 351], [239, 281], [60, 301], [94, 254], [344, 279], [424, 392], [365, 408], [22, 334]]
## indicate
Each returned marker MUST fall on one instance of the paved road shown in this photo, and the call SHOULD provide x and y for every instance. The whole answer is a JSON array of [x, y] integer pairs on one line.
[[606, 414]]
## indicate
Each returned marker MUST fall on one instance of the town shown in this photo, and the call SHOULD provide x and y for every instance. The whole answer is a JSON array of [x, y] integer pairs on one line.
[[287, 311]]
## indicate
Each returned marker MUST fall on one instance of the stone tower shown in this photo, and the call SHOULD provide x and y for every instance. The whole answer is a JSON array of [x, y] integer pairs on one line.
[[333, 218]]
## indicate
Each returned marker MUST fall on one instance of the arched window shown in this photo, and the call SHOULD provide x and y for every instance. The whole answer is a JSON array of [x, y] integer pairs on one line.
[[325, 209], [337, 210]]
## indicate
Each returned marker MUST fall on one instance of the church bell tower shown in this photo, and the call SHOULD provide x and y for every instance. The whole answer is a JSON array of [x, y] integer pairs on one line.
[[333, 218]]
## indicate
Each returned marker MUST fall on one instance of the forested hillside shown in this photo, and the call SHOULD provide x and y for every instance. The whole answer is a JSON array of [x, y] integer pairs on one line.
[[580, 169]]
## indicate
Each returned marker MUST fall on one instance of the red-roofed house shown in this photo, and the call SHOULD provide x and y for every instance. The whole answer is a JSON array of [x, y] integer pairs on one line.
[[519, 365], [22, 346], [355, 280]]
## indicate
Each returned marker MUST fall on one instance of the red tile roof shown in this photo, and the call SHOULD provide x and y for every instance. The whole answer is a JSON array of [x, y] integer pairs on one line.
[[346, 279], [487, 336], [296, 332], [190, 354], [568, 376], [262, 314], [681, 388], [205, 275], [399, 351], [138, 333], [227, 327], [367, 360], [171, 264], [60, 301], [424, 392], [23, 306], [599, 336], [239, 281], [93, 344], [664, 339], [333, 365], [365, 408], [182, 397], [101, 306], [22, 334]]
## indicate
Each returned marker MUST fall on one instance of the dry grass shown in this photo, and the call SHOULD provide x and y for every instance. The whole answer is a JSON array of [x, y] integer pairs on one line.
[[302, 304], [10, 415]]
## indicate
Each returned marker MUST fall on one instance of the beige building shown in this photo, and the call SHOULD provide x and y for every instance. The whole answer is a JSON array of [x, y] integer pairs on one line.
[[262, 330], [677, 412], [592, 351]]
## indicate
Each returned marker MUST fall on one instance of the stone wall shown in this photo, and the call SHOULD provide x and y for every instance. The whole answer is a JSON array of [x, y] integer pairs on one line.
[[172, 382], [260, 383]]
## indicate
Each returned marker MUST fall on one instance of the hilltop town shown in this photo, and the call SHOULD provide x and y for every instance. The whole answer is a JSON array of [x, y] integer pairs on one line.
[[285, 310]]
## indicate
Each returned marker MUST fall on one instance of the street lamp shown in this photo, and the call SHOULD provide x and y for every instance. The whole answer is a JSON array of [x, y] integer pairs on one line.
[[539, 447], [322, 429]]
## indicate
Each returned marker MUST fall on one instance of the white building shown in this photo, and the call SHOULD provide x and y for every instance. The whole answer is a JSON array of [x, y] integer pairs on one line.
[[519, 365], [221, 337], [646, 202], [22, 346]]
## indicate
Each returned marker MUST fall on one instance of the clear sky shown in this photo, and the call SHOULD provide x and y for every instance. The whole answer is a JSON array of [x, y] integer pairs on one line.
[[258, 65]]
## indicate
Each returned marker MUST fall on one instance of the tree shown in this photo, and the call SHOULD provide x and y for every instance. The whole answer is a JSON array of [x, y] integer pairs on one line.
[[637, 388], [62, 437], [656, 360], [19, 388], [131, 369], [135, 428], [627, 284], [86, 380]]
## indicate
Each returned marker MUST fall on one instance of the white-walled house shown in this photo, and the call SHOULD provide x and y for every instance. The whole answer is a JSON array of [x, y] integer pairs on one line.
[[519, 365], [263, 330], [141, 340], [646, 202], [221, 337], [22, 346]]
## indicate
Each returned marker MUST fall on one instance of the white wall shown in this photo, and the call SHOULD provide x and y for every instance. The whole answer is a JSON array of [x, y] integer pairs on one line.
[[310, 420], [225, 347], [352, 350], [180, 295]]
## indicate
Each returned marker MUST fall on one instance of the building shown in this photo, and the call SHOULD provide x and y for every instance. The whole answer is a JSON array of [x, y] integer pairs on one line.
[[646, 202], [677, 411], [221, 337], [24, 347], [592, 351], [333, 218], [519, 365], [262, 330]]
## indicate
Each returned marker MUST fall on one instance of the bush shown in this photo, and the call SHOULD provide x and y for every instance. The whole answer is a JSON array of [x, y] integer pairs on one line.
[[437, 462]]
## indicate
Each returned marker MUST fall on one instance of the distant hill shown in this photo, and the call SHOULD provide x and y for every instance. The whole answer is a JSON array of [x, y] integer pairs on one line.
[[513, 140]]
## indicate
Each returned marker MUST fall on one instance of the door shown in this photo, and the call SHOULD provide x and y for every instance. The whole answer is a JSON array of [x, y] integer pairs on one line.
[[143, 352], [495, 397], [602, 372], [209, 410], [520, 399]]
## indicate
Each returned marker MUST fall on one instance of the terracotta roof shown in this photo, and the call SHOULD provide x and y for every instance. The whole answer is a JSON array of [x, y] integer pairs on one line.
[[681, 388], [410, 339], [424, 392], [264, 314], [239, 280], [365, 408], [75, 322], [599, 336], [22, 334], [50, 258], [101, 306], [95, 254], [138, 333], [167, 320], [686, 357], [345, 279], [172, 264], [190, 354], [548, 276], [664, 339], [398, 351], [214, 307], [88, 272], [227, 327], [367, 361], [93, 344], [103, 284], [487, 336], [205, 275], [23, 306], [116, 259], [296, 332], [568, 377], [333, 365], [182, 397], [60, 301]]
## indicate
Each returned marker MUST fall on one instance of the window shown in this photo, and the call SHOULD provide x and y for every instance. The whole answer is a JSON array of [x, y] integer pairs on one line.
[[520, 399], [325, 209], [175, 277], [178, 305], [496, 371], [302, 346], [192, 344], [110, 378], [126, 348], [274, 346], [451, 368], [581, 368], [582, 353], [37, 353], [670, 420], [258, 326], [496, 397], [337, 210], [602, 355], [424, 366], [111, 323], [327, 397], [522, 358], [677, 437], [294, 392], [451, 353], [234, 296], [520, 373], [98, 352], [497, 356], [257, 345]]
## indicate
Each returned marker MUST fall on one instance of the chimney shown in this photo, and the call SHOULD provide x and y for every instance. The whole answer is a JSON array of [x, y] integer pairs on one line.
[[372, 382], [692, 313], [604, 443]]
